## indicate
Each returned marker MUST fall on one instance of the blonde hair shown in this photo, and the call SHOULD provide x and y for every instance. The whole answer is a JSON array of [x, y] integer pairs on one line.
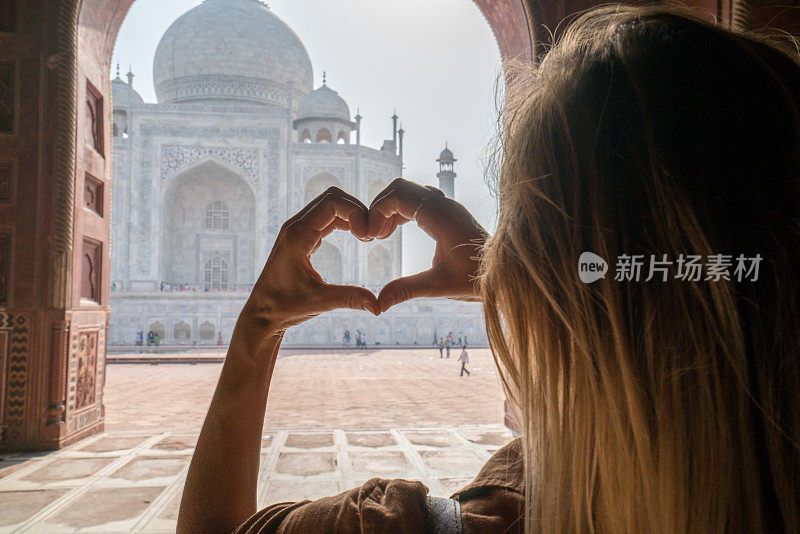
[[660, 406]]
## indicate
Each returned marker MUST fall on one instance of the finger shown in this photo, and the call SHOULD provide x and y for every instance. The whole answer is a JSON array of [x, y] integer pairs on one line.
[[406, 199], [428, 283], [318, 218], [333, 297], [392, 225], [337, 224]]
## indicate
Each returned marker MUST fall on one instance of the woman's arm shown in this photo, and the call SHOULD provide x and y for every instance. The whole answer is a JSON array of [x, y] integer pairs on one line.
[[220, 490]]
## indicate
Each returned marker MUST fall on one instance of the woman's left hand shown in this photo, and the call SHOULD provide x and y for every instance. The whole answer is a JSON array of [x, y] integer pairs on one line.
[[289, 290]]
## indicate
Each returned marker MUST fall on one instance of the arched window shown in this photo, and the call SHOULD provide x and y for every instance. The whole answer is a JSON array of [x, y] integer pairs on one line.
[[216, 274], [318, 183], [324, 136], [379, 266], [374, 188], [327, 261], [305, 137], [343, 138], [182, 331], [206, 331], [158, 329], [217, 215]]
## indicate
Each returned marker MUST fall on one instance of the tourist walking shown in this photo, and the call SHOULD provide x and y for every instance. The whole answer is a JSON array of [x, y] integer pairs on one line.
[[441, 347], [447, 345], [464, 359]]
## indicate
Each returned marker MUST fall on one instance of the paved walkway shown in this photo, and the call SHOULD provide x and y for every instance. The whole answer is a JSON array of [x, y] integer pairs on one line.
[[334, 420]]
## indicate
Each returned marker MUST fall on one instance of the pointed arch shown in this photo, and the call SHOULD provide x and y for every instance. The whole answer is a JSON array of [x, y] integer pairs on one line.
[[318, 183], [327, 261]]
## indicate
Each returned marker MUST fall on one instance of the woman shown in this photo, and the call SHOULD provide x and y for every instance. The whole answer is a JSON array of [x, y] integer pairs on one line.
[[664, 402]]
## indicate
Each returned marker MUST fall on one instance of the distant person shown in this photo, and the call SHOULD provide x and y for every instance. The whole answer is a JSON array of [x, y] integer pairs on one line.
[[459, 338], [346, 337], [464, 359], [441, 347], [156, 339], [219, 339], [447, 344]]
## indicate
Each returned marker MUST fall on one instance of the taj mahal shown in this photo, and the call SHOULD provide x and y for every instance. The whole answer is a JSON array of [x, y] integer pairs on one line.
[[238, 142]]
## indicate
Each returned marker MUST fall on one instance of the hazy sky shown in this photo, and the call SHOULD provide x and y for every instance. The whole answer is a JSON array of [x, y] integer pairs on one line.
[[435, 61]]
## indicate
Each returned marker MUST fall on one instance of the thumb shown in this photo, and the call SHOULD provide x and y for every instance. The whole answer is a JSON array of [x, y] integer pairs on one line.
[[425, 284], [333, 297]]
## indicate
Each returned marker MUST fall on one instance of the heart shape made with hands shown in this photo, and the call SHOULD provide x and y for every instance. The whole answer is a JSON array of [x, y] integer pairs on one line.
[[457, 235]]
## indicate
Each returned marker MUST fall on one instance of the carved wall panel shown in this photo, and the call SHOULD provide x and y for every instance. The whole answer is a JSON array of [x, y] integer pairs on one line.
[[91, 269], [86, 381], [8, 179], [94, 118], [8, 97], [93, 194], [5, 269], [14, 354], [8, 16], [85, 373]]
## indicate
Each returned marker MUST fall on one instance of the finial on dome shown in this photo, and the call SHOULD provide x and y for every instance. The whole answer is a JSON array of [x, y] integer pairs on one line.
[[130, 75], [324, 77], [117, 69]]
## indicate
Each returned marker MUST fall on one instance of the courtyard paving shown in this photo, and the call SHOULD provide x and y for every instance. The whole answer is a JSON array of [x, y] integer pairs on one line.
[[334, 420]]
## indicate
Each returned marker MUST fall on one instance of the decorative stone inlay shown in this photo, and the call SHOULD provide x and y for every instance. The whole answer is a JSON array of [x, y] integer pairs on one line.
[[227, 87], [220, 135], [7, 97], [310, 171], [16, 329], [85, 389], [144, 244], [174, 158], [5, 268], [7, 179]]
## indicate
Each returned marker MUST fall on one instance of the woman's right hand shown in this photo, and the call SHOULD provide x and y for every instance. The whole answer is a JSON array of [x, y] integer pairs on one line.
[[458, 237]]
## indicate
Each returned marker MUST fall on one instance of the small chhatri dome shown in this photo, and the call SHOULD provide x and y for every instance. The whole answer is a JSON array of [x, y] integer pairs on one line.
[[231, 50], [323, 103], [123, 95], [446, 156]]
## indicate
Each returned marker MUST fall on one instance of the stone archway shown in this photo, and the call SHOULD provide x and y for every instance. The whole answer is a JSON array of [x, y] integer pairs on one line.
[[55, 185]]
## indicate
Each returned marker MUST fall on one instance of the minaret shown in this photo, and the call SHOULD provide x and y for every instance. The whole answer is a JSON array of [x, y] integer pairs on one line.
[[446, 175], [130, 76], [400, 133], [358, 127], [394, 129]]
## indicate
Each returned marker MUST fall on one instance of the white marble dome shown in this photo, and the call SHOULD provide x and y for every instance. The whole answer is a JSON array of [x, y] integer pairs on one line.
[[323, 103], [231, 50], [123, 95]]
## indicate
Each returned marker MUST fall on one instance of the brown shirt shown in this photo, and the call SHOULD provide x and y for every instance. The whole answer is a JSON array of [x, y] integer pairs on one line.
[[493, 502]]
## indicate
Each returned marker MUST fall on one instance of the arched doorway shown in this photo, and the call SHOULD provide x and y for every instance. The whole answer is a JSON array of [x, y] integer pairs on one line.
[[318, 183], [55, 143], [209, 231], [327, 261]]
